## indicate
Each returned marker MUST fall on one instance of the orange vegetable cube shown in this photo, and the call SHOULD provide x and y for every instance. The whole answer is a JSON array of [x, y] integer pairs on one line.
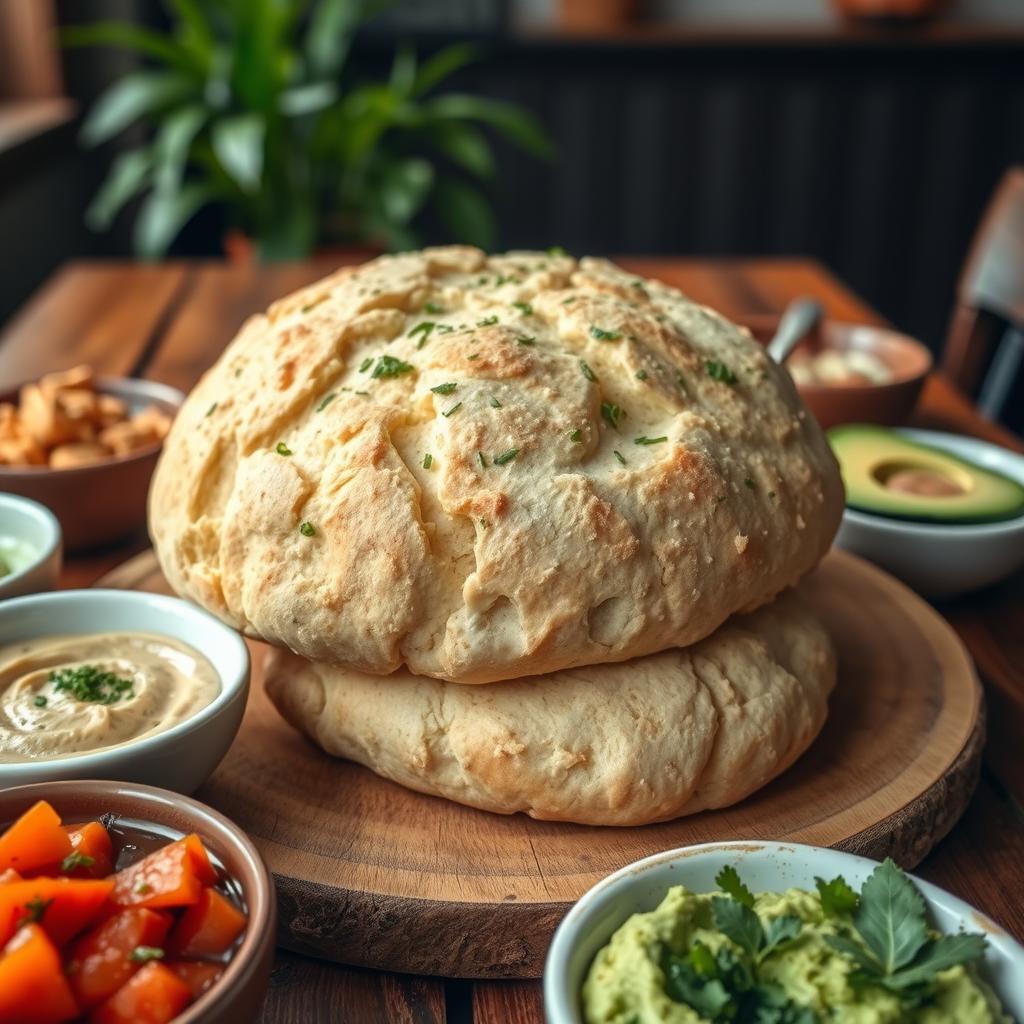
[[35, 840], [33, 989], [197, 975], [154, 995], [101, 960], [91, 839], [61, 906], [207, 928], [173, 876]]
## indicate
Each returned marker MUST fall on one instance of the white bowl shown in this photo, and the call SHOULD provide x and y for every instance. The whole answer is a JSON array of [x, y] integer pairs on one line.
[[936, 559], [764, 867], [35, 526], [182, 757]]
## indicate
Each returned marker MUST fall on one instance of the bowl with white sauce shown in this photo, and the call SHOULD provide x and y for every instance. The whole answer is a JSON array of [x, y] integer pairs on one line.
[[112, 684], [30, 547]]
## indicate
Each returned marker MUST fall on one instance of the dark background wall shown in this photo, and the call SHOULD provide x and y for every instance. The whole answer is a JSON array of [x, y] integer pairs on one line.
[[875, 154]]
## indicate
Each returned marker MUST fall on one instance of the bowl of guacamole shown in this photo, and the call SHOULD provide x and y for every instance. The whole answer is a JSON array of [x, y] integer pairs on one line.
[[777, 933], [30, 547]]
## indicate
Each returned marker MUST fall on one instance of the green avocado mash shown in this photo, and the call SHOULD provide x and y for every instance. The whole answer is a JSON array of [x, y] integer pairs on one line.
[[654, 971]]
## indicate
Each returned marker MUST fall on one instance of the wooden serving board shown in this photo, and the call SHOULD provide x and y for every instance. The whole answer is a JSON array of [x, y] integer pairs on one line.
[[370, 873]]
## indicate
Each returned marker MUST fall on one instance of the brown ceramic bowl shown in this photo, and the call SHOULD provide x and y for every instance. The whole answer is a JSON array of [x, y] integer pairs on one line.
[[890, 404], [238, 994], [104, 502]]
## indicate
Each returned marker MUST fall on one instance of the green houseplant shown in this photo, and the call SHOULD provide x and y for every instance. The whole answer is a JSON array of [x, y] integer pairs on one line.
[[249, 104]]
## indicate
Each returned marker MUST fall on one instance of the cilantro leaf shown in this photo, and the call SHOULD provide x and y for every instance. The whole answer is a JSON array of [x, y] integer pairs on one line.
[[728, 880], [849, 948], [938, 955], [837, 898], [890, 918], [683, 984], [779, 931], [738, 923]]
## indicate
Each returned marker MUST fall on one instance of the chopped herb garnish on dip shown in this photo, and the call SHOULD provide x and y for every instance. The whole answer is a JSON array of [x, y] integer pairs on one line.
[[619, 456], [524, 307], [444, 389], [40, 701], [423, 329], [651, 440], [307, 529], [612, 414], [641, 375], [603, 335], [282, 448], [90, 684], [76, 859], [488, 321], [327, 401], [495, 404], [428, 460], [500, 460], [454, 409], [576, 436], [366, 364], [389, 366], [587, 371], [143, 954], [433, 308], [526, 339], [719, 371]]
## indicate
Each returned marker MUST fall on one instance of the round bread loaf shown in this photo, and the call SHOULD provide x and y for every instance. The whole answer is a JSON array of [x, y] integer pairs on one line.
[[627, 744], [490, 467]]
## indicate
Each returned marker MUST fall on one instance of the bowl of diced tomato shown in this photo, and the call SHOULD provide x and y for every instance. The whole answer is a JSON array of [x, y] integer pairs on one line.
[[126, 904]]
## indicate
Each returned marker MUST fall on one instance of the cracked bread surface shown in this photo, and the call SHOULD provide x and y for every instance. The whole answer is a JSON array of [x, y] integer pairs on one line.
[[485, 468], [624, 744]]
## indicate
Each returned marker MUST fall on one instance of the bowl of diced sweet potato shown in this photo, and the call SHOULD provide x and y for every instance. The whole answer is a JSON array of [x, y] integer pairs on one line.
[[124, 904], [85, 447]]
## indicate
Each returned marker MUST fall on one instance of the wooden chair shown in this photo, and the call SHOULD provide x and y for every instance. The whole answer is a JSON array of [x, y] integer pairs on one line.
[[985, 345]]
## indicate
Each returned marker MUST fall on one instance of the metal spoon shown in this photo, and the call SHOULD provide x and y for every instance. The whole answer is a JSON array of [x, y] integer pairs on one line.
[[800, 318]]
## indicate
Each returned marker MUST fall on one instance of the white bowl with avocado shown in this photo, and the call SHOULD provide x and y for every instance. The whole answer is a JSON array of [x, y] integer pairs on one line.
[[30, 547], [942, 512], [651, 971]]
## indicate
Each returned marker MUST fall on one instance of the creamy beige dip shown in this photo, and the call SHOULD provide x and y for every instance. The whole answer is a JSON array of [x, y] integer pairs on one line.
[[44, 714]]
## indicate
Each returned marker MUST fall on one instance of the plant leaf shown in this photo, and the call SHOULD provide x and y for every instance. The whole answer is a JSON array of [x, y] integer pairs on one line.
[[238, 143], [127, 176], [890, 918], [403, 71], [128, 99], [739, 923], [847, 947], [194, 31], [465, 213], [163, 215], [403, 189], [837, 898], [938, 955], [466, 146], [131, 37], [332, 24], [444, 63], [684, 985], [172, 144], [307, 99], [728, 880], [780, 930], [513, 122]]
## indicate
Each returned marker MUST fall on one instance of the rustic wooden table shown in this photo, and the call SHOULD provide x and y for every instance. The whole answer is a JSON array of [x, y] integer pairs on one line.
[[170, 322]]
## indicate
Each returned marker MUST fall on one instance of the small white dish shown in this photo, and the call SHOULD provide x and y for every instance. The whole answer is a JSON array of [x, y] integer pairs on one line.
[[764, 867], [182, 757], [942, 560], [34, 532]]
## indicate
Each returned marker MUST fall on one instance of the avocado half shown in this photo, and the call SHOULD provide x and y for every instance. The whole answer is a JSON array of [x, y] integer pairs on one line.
[[887, 473]]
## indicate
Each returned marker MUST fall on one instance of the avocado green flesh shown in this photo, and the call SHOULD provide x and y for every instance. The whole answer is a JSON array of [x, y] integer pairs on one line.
[[871, 457]]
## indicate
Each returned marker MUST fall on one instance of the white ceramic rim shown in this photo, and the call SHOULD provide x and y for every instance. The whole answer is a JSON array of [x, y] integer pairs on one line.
[[560, 1004], [996, 458], [50, 532], [94, 765]]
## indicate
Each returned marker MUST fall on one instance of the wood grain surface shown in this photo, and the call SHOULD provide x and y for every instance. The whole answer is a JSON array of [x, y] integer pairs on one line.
[[373, 874], [165, 322]]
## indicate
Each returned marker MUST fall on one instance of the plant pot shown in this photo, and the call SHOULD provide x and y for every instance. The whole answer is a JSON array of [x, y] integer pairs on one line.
[[890, 10], [597, 15], [242, 251]]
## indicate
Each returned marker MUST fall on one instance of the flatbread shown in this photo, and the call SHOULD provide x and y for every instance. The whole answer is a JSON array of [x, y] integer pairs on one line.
[[623, 744]]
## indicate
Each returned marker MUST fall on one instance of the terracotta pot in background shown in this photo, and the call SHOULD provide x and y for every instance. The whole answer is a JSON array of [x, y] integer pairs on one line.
[[597, 15], [891, 10], [240, 250]]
